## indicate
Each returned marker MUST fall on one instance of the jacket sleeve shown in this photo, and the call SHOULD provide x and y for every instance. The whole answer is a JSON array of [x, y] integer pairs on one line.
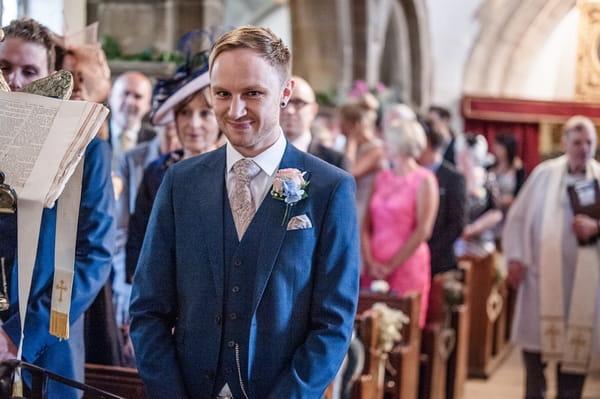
[[95, 242], [138, 221], [457, 215], [333, 303], [153, 307]]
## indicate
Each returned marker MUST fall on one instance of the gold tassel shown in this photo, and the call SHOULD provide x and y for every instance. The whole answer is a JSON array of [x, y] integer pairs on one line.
[[59, 324], [17, 387]]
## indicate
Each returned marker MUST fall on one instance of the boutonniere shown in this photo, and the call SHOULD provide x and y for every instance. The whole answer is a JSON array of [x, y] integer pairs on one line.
[[289, 186]]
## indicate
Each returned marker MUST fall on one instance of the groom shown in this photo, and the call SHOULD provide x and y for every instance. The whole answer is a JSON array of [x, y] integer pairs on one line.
[[241, 291]]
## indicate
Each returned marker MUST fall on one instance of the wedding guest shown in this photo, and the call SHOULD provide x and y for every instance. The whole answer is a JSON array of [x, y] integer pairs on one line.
[[129, 101], [452, 211], [400, 218], [297, 119], [187, 102], [364, 150], [477, 237]]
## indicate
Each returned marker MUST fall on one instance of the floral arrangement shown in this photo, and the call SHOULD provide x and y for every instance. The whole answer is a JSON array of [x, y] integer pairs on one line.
[[453, 289], [289, 186], [390, 326], [361, 91]]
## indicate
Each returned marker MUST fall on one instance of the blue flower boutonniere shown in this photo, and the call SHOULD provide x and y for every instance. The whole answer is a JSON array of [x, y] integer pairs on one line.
[[289, 186]]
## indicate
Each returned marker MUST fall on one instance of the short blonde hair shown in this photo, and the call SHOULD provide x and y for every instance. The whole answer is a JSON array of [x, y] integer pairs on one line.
[[260, 39], [405, 137]]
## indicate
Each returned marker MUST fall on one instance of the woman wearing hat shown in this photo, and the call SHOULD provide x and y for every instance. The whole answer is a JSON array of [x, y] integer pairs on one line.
[[186, 101]]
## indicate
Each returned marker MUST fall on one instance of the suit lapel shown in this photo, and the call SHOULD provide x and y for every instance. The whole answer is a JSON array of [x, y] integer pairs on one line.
[[211, 208], [268, 224]]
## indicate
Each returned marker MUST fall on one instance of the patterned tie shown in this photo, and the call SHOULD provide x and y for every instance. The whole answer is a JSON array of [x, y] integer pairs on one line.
[[242, 204], [125, 141]]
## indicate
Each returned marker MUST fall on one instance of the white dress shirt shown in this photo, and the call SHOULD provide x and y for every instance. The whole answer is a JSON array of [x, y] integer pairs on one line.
[[268, 161]]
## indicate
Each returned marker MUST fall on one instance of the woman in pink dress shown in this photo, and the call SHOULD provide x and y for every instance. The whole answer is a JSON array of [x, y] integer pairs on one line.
[[400, 217]]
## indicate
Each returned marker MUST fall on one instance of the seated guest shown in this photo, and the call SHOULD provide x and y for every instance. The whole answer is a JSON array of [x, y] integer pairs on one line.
[[400, 217], [451, 216], [478, 237], [296, 121], [189, 104]]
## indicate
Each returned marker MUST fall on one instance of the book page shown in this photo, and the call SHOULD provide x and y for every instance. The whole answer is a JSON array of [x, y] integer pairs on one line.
[[41, 141]]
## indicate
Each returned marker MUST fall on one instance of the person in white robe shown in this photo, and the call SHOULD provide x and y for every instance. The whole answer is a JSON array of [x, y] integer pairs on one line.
[[553, 260]]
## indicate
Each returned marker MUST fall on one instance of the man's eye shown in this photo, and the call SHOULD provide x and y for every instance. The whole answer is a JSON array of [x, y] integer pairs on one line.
[[253, 93], [30, 72], [221, 94]]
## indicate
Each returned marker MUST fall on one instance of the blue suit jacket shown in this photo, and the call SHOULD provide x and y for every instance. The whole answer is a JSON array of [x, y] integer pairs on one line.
[[95, 240], [304, 293]]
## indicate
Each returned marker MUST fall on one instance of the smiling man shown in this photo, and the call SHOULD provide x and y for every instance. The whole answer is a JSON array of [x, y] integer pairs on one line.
[[257, 301]]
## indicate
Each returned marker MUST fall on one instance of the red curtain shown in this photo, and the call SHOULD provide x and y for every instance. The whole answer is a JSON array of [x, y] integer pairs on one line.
[[527, 135]]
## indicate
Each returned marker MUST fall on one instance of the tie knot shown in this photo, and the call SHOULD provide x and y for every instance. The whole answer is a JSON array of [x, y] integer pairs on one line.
[[245, 169]]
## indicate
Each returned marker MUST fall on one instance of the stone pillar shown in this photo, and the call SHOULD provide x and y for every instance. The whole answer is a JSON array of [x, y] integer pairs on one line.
[[322, 43], [138, 24]]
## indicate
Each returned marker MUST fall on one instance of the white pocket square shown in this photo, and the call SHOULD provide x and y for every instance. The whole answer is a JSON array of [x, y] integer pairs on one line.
[[299, 222]]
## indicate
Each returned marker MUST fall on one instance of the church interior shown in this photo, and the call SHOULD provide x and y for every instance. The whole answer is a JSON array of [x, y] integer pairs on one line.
[[497, 66]]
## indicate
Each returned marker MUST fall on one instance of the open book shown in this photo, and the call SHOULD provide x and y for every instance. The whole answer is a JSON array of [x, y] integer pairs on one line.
[[42, 140]]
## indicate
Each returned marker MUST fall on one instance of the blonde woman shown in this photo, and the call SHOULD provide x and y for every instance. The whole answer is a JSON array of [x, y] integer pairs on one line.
[[400, 216]]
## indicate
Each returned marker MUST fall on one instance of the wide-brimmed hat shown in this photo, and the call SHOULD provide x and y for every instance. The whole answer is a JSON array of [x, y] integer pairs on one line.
[[187, 80]]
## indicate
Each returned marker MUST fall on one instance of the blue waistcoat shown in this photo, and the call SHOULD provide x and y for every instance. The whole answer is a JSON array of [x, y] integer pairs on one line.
[[240, 269]]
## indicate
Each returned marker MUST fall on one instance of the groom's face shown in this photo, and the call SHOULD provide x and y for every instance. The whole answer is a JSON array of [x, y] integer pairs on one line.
[[247, 92]]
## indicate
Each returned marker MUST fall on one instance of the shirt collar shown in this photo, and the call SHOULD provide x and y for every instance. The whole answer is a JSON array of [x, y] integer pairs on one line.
[[268, 160]]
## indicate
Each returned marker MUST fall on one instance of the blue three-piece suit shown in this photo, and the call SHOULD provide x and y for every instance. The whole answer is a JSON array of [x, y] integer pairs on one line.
[[270, 315]]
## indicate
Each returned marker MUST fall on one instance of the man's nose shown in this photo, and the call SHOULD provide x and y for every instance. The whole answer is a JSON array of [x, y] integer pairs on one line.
[[14, 81], [237, 108]]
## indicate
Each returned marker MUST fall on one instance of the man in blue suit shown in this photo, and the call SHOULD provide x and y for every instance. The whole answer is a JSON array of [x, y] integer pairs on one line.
[[223, 307], [27, 54]]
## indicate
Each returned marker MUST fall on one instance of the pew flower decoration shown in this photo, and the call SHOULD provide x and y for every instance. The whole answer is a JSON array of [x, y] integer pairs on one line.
[[289, 186], [453, 289], [390, 326]]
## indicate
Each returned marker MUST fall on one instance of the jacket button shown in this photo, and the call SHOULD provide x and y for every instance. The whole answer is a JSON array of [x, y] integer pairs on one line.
[[218, 319], [235, 289], [231, 344], [233, 316], [237, 262]]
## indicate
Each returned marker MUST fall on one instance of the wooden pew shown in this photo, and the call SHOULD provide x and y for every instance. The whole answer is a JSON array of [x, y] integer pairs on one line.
[[370, 383], [121, 381], [402, 377], [436, 343], [489, 318], [459, 321]]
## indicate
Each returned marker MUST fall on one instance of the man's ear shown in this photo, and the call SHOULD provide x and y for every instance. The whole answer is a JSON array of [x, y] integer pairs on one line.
[[287, 90]]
